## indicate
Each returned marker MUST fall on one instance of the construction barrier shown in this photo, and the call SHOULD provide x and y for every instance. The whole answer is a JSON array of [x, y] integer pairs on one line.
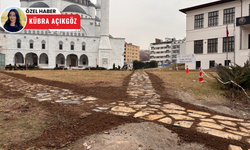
[[187, 70], [228, 83], [200, 76]]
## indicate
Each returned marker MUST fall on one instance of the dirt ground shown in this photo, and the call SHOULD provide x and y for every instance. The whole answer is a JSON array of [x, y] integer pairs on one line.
[[69, 131]]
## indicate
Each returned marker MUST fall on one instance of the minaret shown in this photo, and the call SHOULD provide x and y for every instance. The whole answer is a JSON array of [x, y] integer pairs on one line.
[[98, 8], [104, 39]]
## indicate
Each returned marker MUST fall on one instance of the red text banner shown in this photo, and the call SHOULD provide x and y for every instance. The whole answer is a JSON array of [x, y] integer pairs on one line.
[[53, 22]]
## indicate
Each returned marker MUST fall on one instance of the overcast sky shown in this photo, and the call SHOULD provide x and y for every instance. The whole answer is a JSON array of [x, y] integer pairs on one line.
[[141, 21]]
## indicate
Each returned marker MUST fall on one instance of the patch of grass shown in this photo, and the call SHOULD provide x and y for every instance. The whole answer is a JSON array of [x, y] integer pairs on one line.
[[82, 77], [188, 82]]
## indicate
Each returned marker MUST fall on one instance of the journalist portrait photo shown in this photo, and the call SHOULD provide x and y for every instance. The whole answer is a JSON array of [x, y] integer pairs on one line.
[[13, 19]]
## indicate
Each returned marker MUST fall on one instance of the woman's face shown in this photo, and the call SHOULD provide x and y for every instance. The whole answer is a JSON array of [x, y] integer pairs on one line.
[[12, 17]]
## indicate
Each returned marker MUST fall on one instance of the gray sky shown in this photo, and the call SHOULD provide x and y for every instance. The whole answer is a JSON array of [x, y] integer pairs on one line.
[[141, 21]]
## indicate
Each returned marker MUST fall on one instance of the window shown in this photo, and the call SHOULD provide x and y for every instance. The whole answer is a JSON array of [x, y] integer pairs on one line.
[[228, 44], [212, 45], [83, 46], [60, 45], [211, 63], [229, 15], [31, 44], [198, 47], [43, 44], [227, 62], [213, 18], [72, 45], [198, 64], [18, 43], [198, 21]]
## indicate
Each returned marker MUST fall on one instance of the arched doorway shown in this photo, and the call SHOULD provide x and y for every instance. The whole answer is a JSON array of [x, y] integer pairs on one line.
[[84, 60], [60, 60], [31, 59], [43, 60], [18, 59], [72, 60]]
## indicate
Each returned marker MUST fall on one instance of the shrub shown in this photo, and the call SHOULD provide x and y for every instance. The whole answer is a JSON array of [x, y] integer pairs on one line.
[[238, 74]]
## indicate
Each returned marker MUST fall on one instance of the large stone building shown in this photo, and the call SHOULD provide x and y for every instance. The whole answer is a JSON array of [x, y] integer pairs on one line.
[[165, 52], [90, 46], [206, 26], [131, 53]]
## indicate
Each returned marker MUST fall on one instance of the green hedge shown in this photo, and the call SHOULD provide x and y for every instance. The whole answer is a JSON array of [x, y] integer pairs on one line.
[[140, 65]]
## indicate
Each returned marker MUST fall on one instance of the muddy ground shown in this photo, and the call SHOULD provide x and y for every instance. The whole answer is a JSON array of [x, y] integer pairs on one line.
[[63, 134]]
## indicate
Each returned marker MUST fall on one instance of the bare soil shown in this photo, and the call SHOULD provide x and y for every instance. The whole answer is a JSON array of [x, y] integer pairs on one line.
[[64, 133]]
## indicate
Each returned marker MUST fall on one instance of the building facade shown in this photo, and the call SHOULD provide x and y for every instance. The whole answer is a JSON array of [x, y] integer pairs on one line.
[[131, 52], [206, 31], [165, 52], [88, 47]]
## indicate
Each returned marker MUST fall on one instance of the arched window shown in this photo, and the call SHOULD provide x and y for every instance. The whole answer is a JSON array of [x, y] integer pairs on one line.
[[34, 32], [31, 44], [18, 43], [83, 46], [72, 44], [29, 32], [60, 45], [82, 34], [79, 34], [41, 32], [25, 31], [43, 44], [71, 34]]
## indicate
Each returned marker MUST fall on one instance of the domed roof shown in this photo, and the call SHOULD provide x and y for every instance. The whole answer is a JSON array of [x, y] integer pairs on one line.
[[97, 19], [1, 29], [91, 4], [39, 5], [74, 8]]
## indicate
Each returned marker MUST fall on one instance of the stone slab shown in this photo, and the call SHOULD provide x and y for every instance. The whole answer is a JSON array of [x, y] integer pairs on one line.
[[239, 133], [171, 111], [137, 106], [218, 133], [248, 141], [210, 125], [231, 128], [89, 98], [233, 147], [196, 115], [155, 106], [226, 118], [152, 117], [166, 120], [230, 123], [181, 117], [119, 113], [123, 109], [244, 130], [199, 112], [245, 124], [184, 124], [173, 106], [140, 114], [208, 120]]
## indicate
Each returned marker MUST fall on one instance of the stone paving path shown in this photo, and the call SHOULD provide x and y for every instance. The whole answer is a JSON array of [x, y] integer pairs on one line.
[[146, 105]]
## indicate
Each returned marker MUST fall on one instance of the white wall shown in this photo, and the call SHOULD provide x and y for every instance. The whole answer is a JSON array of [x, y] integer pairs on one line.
[[216, 32]]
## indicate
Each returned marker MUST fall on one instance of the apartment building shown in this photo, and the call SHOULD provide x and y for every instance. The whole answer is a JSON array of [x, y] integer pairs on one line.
[[131, 52], [207, 36], [165, 52]]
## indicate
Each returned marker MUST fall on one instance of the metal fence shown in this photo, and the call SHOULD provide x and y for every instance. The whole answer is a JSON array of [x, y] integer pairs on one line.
[[2, 61]]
